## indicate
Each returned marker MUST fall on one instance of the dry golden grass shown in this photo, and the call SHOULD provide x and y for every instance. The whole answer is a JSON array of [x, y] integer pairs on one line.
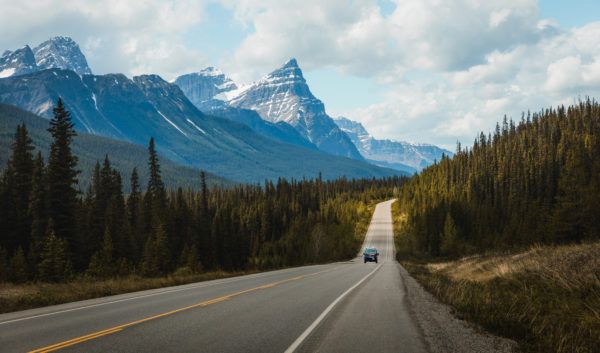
[[547, 297], [572, 267], [15, 297]]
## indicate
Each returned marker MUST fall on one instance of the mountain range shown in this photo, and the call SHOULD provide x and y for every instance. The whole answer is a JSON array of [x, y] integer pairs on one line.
[[90, 148], [57, 52], [400, 155], [283, 97], [242, 147]]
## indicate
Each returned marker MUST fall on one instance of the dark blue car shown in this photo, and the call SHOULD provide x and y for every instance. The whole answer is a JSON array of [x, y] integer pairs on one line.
[[370, 254]]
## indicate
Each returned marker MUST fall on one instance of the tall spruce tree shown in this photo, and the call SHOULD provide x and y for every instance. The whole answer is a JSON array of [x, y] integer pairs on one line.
[[21, 169], [61, 178]]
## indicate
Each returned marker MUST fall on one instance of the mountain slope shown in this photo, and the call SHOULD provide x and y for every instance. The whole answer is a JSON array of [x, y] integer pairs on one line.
[[91, 148], [283, 95], [136, 109], [207, 90], [388, 153], [61, 53], [280, 131], [204, 87], [55, 53], [18, 62]]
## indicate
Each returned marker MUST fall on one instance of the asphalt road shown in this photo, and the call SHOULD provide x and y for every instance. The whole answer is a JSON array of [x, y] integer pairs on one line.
[[340, 307]]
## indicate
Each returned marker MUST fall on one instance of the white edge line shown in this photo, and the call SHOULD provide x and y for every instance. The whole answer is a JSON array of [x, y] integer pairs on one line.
[[315, 323]]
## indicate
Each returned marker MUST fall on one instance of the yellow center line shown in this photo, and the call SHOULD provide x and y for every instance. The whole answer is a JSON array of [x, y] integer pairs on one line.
[[205, 303]]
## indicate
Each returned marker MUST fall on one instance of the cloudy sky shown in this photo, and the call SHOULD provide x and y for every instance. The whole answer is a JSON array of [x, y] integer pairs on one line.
[[433, 71]]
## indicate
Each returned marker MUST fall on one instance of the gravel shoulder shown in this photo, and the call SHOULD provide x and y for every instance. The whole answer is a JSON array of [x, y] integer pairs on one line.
[[442, 331]]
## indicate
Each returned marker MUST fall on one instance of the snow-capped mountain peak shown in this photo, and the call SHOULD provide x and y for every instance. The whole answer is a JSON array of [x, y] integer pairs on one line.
[[207, 88], [55, 53], [284, 95], [18, 62], [63, 53], [390, 153]]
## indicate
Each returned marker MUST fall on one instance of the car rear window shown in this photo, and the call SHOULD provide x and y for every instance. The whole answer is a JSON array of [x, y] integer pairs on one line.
[[370, 251]]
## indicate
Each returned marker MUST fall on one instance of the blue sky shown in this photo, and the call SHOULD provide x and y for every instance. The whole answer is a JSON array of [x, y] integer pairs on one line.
[[418, 70], [221, 34]]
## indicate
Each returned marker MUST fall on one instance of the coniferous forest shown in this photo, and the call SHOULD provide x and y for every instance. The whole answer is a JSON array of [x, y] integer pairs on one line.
[[532, 182], [50, 231]]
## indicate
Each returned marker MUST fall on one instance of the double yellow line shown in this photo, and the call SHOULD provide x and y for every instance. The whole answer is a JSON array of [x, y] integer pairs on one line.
[[115, 329]]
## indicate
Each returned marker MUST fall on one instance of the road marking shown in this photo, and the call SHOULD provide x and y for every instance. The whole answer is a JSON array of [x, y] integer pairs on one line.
[[205, 303], [187, 287], [316, 323]]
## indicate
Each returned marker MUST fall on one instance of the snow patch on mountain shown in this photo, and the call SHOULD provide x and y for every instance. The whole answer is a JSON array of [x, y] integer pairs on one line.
[[284, 96], [62, 53], [172, 123], [18, 62], [207, 89], [391, 153]]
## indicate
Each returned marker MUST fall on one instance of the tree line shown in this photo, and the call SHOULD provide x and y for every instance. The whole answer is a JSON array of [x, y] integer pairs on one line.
[[536, 181], [50, 231]]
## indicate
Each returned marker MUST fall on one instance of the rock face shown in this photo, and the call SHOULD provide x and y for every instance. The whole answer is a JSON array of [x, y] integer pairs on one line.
[[283, 95], [147, 106], [18, 62], [55, 53], [206, 88], [392, 154], [61, 53]]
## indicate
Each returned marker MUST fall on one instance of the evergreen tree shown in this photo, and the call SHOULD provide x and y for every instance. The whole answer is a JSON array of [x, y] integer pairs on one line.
[[18, 267], [20, 166], [54, 265], [4, 268], [450, 242], [37, 203], [133, 215], [102, 264], [156, 188], [61, 177]]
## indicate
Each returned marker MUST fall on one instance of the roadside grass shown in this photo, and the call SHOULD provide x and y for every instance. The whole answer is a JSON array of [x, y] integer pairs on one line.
[[547, 298], [15, 297]]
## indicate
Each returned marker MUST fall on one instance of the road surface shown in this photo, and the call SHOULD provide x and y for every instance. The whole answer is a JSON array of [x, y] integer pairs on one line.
[[340, 307]]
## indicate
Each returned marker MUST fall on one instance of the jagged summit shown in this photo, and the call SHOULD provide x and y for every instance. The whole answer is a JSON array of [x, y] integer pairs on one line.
[[291, 63], [284, 95], [61, 52], [55, 53], [206, 88], [18, 62], [390, 153]]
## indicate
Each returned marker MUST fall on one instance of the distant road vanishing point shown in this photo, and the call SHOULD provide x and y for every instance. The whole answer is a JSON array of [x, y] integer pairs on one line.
[[339, 307]]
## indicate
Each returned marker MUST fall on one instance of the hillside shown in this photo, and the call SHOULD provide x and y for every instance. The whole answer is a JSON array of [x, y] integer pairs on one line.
[[535, 182], [90, 148], [133, 110]]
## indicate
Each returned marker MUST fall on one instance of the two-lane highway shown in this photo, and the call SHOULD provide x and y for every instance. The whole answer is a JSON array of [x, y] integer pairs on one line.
[[340, 307]]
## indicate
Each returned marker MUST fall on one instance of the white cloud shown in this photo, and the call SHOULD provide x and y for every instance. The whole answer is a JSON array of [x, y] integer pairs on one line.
[[133, 37], [557, 69]]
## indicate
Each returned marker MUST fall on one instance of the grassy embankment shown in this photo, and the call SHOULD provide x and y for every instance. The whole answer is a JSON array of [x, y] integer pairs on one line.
[[14, 297], [547, 298]]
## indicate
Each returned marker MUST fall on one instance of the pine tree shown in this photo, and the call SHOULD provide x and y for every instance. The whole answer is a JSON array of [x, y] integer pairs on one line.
[[102, 264], [37, 203], [54, 265], [20, 166], [156, 257], [133, 215], [450, 242], [18, 267], [4, 268], [156, 188], [61, 177]]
